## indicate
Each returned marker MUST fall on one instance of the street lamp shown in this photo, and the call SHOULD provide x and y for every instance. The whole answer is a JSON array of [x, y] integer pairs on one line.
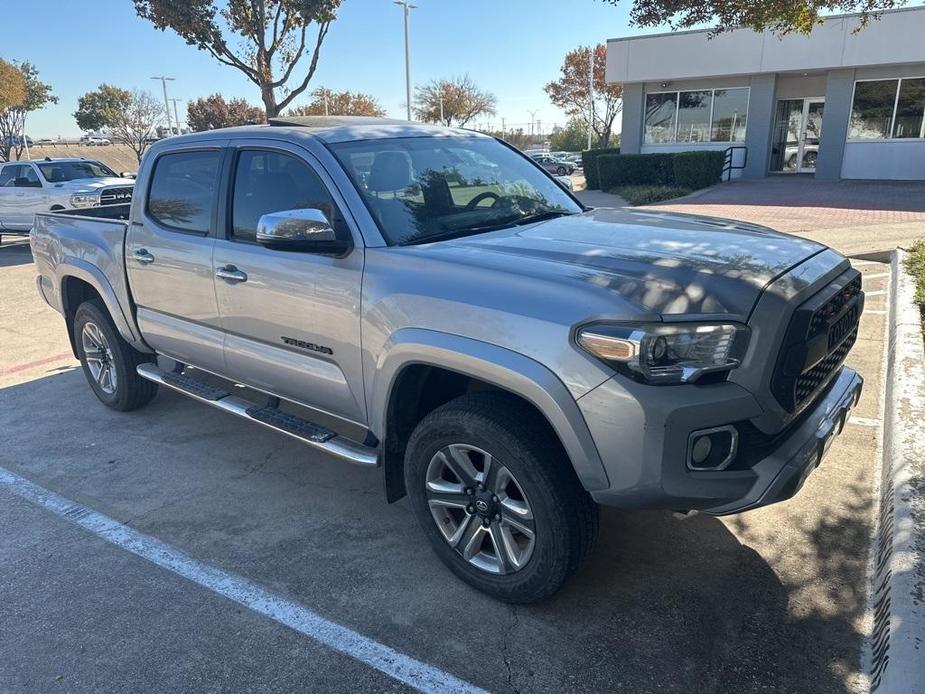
[[164, 81], [407, 7], [175, 116]]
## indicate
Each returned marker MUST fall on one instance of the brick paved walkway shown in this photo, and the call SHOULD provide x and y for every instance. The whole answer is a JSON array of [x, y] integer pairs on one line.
[[797, 204]]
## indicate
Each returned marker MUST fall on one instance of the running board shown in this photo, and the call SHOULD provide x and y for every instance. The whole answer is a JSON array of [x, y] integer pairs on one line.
[[307, 432]]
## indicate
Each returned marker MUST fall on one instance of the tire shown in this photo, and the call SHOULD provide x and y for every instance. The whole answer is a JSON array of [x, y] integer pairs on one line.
[[124, 389], [561, 171], [559, 512]]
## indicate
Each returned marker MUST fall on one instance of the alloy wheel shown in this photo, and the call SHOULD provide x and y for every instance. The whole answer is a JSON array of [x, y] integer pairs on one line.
[[99, 357], [480, 509]]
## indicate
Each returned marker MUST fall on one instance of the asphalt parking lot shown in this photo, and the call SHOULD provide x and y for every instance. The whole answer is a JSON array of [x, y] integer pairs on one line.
[[774, 600]]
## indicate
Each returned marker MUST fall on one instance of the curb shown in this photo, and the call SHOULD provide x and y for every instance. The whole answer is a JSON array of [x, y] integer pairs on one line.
[[896, 649]]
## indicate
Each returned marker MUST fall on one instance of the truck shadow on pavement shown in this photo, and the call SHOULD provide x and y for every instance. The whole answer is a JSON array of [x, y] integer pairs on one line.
[[14, 250], [662, 605]]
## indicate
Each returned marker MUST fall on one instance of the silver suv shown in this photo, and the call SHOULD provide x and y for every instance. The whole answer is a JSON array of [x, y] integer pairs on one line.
[[432, 304]]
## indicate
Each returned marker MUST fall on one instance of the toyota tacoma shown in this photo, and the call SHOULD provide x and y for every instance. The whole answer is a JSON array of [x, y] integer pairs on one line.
[[432, 303]]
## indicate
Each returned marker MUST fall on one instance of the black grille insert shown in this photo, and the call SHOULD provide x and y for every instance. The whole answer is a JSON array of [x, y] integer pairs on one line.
[[821, 333], [116, 196]]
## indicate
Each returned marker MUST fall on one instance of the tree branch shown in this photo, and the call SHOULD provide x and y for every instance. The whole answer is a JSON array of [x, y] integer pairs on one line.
[[322, 32], [295, 59]]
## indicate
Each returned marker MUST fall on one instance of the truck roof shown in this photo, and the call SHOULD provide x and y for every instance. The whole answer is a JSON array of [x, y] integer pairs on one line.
[[337, 128]]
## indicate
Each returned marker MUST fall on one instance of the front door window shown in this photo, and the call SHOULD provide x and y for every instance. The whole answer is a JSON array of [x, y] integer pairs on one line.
[[797, 134]]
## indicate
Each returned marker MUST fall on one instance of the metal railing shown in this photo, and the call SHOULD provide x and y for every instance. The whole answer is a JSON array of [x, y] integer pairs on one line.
[[729, 164]]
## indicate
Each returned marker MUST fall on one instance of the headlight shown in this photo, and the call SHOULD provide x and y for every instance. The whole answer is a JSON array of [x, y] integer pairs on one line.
[[85, 199], [667, 353]]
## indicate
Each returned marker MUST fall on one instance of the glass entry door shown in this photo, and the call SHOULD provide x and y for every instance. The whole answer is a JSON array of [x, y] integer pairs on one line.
[[797, 132]]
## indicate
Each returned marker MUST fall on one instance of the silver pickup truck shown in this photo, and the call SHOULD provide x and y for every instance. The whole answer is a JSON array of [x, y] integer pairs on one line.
[[432, 303]]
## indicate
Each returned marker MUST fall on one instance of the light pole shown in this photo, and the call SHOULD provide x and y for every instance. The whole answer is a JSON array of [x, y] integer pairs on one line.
[[591, 97], [176, 117], [164, 81], [407, 7], [532, 116]]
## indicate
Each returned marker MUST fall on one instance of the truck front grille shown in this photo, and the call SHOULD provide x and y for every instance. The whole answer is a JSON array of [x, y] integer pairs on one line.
[[821, 333], [116, 196]]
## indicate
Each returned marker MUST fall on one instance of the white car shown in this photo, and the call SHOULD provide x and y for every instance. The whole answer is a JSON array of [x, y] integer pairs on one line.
[[27, 187], [97, 141]]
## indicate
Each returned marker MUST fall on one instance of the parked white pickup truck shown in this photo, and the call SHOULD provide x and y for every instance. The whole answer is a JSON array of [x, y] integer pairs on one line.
[[27, 187]]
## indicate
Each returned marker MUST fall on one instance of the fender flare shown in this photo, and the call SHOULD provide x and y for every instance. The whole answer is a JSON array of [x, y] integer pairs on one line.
[[500, 367], [92, 275]]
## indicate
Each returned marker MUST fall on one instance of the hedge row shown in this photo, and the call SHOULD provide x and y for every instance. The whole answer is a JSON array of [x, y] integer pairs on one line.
[[589, 164], [691, 170]]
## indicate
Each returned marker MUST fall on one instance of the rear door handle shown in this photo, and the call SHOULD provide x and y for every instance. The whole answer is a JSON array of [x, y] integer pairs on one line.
[[142, 256], [231, 273]]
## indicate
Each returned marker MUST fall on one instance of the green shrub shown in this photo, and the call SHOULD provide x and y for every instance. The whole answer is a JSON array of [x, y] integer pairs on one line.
[[644, 195], [695, 170], [617, 170], [915, 266], [589, 164]]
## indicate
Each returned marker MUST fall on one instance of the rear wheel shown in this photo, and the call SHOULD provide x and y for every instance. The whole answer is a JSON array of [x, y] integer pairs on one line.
[[497, 498], [561, 171], [108, 361]]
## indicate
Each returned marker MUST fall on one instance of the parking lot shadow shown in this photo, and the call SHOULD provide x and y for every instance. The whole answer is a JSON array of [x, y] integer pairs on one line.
[[662, 605], [15, 251]]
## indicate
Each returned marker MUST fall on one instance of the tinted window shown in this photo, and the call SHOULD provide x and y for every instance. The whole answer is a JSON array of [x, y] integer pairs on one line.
[[8, 174], [730, 112], [182, 192], [267, 182]]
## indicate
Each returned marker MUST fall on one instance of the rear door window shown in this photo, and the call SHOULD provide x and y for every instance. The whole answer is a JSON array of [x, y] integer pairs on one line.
[[8, 175], [183, 190]]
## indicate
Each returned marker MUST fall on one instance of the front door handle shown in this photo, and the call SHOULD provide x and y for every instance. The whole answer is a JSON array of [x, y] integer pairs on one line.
[[142, 256], [231, 273]]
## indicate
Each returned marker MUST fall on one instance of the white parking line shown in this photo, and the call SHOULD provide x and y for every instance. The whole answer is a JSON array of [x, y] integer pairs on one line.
[[403, 668], [876, 275], [880, 292]]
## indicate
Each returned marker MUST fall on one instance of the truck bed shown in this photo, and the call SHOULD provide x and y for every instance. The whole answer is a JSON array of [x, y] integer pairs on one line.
[[86, 245]]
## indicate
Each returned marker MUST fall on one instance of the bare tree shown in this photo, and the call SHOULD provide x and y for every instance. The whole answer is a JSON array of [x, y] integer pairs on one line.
[[271, 38], [461, 99]]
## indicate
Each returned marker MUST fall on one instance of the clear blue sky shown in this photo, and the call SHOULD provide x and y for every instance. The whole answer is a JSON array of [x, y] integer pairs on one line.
[[510, 47]]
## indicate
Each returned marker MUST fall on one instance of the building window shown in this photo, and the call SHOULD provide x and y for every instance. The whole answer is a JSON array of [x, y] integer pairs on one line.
[[884, 109], [660, 118], [694, 116], [730, 111], [710, 115], [910, 109]]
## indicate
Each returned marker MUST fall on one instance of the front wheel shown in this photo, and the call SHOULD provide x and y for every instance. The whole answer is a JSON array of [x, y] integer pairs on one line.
[[561, 171], [108, 361], [497, 497]]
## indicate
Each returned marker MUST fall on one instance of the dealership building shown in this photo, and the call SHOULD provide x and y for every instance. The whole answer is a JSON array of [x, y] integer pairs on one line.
[[836, 103]]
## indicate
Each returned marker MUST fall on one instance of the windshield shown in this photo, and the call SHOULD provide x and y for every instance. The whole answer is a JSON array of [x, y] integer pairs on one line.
[[422, 189], [61, 171]]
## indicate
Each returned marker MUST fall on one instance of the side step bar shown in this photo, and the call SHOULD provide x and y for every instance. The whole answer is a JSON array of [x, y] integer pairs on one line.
[[307, 432]]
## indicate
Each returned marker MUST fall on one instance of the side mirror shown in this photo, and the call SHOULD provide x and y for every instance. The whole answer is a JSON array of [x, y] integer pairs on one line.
[[307, 230]]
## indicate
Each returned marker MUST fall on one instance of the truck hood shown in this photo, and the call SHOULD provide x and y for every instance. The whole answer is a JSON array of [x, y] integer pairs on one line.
[[672, 264], [89, 184]]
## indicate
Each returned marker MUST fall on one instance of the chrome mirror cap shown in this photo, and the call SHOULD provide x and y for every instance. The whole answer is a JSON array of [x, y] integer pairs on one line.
[[294, 226]]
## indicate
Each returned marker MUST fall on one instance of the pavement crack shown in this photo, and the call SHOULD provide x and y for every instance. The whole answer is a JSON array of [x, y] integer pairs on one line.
[[505, 650]]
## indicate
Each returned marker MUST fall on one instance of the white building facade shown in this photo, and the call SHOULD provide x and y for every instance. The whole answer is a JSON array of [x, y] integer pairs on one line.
[[837, 103]]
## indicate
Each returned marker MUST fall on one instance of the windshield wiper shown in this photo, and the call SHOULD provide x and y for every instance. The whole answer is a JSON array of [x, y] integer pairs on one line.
[[466, 231]]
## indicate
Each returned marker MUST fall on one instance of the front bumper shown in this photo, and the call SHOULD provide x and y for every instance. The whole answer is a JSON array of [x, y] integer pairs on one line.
[[644, 450]]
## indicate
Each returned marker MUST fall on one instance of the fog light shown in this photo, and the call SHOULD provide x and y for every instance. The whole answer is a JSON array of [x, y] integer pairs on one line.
[[700, 451], [712, 449]]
